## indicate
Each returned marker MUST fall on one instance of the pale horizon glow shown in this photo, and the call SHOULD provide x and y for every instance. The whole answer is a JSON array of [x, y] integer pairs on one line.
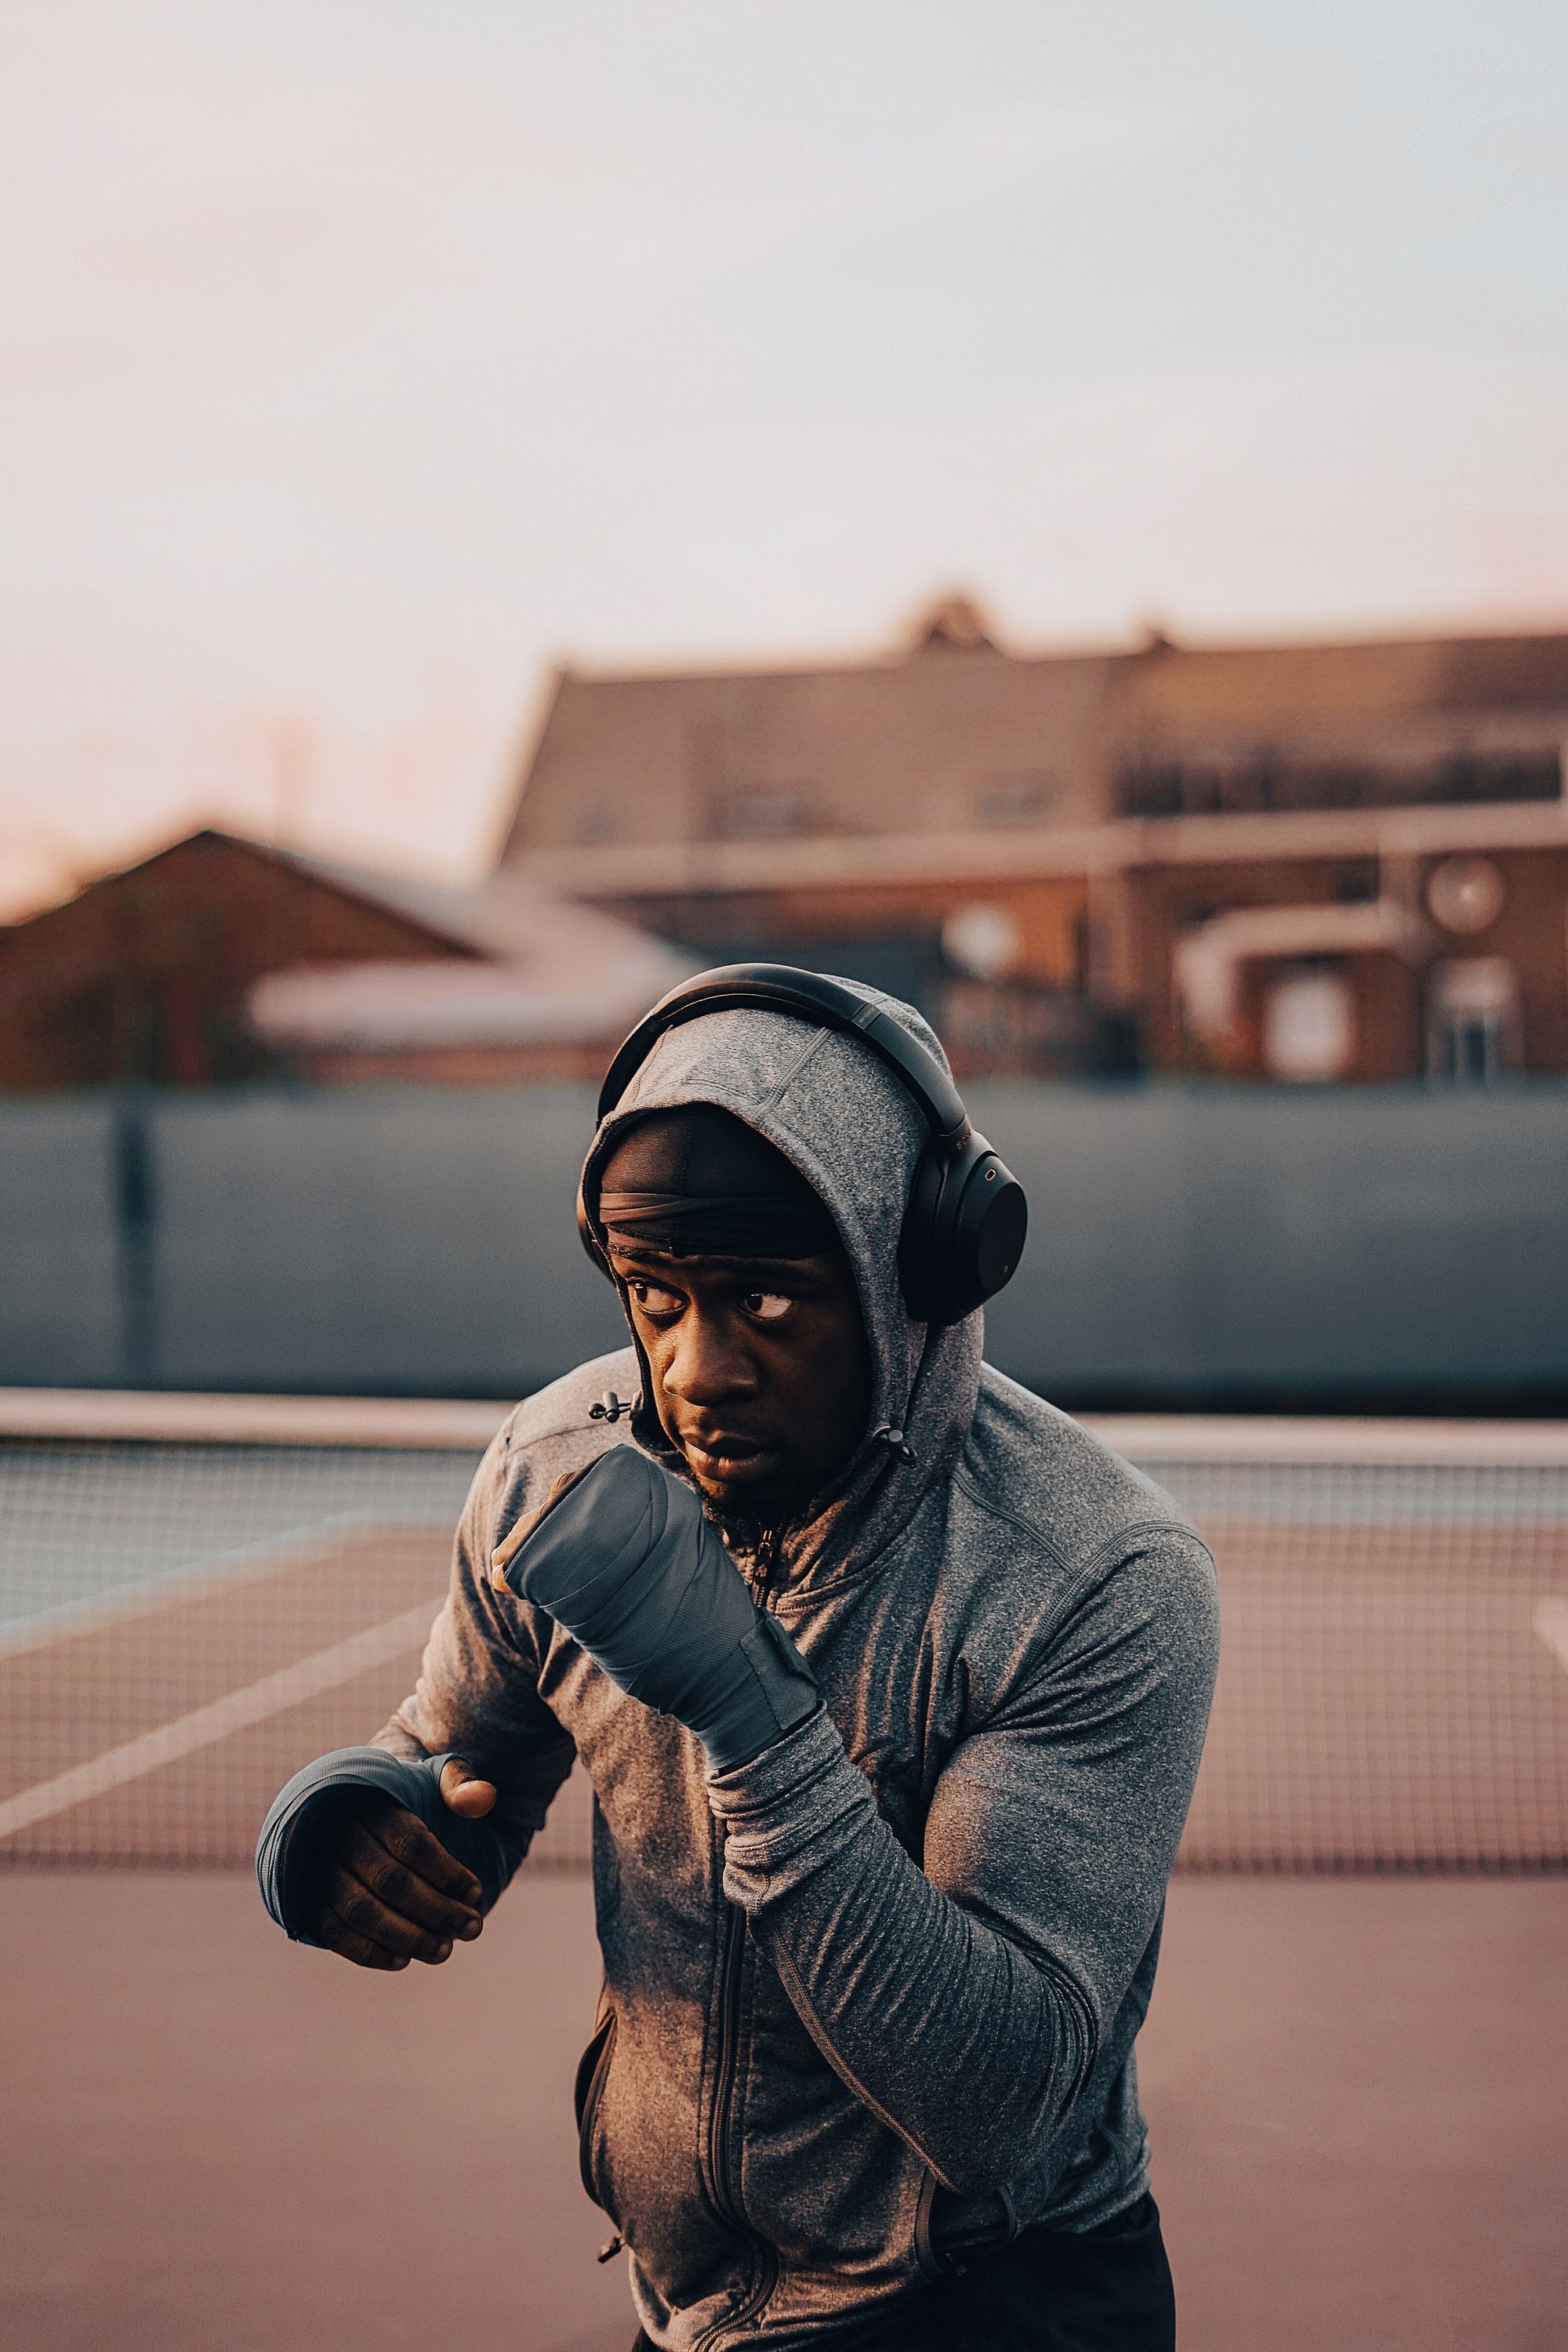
[[357, 364]]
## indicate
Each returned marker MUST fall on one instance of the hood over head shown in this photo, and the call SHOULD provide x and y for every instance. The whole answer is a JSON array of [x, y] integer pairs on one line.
[[698, 1182], [849, 1127]]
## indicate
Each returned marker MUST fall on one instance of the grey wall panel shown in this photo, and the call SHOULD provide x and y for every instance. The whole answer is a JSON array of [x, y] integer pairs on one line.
[[61, 1320], [406, 1239], [1196, 1244], [1190, 1241]]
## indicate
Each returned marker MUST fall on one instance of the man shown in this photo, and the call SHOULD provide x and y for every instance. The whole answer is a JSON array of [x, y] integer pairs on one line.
[[882, 1832]]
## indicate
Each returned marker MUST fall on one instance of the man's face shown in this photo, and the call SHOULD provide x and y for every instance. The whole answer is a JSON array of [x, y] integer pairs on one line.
[[761, 1374]]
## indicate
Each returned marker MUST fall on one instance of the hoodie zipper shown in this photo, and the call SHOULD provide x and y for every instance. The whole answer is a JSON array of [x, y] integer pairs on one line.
[[732, 1963], [726, 2197]]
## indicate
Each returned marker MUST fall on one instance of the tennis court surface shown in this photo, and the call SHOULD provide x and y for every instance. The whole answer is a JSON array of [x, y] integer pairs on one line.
[[218, 2142], [1354, 2043]]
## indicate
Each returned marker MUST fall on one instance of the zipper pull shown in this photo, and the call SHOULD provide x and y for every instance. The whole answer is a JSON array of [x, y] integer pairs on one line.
[[610, 2249], [766, 1557]]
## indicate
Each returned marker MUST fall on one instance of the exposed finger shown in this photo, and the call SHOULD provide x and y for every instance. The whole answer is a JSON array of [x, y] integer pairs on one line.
[[404, 1836], [463, 1794], [511, 1544], [404, 1892], [363, 1913], [338, 1938]]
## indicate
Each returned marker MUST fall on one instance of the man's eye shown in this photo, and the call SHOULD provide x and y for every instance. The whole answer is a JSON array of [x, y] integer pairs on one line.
[[767, 1306], [655, 1301]]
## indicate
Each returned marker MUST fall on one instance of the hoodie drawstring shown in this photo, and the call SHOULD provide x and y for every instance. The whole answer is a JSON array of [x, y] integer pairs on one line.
[[894, 1440], [612, 1407]]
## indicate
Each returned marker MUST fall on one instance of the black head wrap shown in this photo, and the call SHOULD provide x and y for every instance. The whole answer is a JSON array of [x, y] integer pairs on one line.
[[700, 1182]]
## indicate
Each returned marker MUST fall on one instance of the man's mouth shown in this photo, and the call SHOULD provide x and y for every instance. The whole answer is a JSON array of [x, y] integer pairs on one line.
[[719, 1454]]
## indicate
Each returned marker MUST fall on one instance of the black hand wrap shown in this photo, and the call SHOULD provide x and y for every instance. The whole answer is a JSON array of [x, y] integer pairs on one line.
[[627, 1564], [287, 1853]]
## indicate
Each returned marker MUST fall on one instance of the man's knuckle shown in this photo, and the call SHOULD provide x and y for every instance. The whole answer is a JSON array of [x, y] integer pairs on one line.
[[356, 1905], [396, 1886], [356, 1846]]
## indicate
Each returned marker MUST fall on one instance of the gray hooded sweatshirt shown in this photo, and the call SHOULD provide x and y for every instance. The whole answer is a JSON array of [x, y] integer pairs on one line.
[[870, 1999]]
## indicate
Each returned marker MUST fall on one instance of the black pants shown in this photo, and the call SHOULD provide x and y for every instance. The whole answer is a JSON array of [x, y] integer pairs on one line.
[[1105, 2290]]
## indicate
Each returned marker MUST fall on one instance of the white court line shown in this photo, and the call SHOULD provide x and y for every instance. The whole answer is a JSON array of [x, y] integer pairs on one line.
[[203, 1580], [272, 1695], [1549, 1619]]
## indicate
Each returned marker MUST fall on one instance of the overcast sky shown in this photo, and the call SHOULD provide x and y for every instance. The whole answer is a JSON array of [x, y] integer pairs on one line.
[[357, 362]]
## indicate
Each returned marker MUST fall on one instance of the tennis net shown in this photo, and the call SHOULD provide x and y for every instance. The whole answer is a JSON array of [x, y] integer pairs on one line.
[[199, 1594]]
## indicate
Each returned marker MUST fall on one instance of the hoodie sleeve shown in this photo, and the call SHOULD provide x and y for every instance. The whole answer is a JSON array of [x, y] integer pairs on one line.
[[477, 1694], [965, 2001]]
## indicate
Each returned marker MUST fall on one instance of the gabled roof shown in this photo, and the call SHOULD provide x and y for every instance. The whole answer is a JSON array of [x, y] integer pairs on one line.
[[502, 916], [537, 970], [440, 914], [521, 965], [954, 736]]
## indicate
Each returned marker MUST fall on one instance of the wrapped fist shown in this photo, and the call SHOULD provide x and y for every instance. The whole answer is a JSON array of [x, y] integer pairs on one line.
[[624, 1559]]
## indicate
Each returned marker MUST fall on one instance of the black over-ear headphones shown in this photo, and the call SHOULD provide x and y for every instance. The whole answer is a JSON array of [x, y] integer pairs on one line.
[[965, 1221]]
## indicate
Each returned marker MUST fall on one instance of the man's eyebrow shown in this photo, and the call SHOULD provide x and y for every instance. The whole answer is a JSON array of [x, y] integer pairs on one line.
[[658, 1262]]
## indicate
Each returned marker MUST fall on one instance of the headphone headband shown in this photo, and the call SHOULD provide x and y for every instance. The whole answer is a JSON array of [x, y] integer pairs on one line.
[[966, 1215], [781, 988]]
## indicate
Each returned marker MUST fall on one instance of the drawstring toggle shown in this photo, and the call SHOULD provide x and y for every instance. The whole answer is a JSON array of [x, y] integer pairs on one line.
[[894, 1440]]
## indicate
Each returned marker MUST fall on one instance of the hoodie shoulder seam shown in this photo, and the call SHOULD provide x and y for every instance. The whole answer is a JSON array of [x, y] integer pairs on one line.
[[1118, 1543], [995, 1510]]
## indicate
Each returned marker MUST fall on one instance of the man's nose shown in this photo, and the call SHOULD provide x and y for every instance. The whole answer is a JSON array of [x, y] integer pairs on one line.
[[706, 1365]]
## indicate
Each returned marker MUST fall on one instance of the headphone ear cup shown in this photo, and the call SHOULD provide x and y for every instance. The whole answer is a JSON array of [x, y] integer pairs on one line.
[[962, 1234], [990, 1221]]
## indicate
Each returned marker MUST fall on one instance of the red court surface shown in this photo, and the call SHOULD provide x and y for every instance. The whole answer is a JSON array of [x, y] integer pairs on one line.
[[217, 2143]]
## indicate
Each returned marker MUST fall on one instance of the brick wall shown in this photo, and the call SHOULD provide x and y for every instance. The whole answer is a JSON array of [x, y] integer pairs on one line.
[[144, 975]]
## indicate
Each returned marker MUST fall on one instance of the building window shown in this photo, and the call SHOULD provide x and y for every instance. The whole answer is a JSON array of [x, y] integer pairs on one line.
[[1260, 780], [765, 813], [1014, 800], [1473, 1021], [1309, 1025]]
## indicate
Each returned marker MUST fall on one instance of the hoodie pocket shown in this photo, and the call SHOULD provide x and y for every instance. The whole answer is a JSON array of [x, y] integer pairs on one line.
[[593, 2068]]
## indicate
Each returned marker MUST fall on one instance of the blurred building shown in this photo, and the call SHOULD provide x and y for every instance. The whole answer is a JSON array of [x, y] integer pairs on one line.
[[1305, 862], [221, 958]]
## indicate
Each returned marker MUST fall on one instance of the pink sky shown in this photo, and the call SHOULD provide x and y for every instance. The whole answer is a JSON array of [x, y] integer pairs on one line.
[[357, 364]]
